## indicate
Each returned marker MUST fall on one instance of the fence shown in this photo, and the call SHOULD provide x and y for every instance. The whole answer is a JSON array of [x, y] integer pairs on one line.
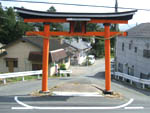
[[132, 78], [19, 74]]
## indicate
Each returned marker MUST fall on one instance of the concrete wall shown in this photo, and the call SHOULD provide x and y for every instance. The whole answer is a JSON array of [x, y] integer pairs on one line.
[[130, 58]]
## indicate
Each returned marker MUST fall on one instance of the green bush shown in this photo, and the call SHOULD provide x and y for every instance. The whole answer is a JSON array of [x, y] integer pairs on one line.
[[62, 67]]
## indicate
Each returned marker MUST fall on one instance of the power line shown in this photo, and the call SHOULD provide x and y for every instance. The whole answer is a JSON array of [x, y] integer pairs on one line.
[[75, 4]]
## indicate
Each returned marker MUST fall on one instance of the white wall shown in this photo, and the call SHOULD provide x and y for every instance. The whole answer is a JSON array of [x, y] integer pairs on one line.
[[82, 57]]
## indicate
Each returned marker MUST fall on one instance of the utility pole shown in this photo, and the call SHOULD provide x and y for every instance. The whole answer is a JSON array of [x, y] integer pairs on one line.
[[116, 10], [115, 40]]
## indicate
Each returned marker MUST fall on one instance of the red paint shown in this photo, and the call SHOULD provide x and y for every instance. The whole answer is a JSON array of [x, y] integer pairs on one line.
[[107, 59], [45, 58]]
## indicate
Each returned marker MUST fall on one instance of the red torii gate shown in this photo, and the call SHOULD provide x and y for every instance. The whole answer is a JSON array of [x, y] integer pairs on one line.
[[73, 18]]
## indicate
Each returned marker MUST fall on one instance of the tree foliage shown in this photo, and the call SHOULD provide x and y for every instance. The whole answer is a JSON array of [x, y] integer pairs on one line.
[[98, 47], [12, 27], [54, 26], [51, 9]]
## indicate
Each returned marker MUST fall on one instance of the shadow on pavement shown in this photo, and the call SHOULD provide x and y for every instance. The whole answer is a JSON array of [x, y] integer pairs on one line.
[[10, 98], [127, 85], [46, 98], [100, 75]]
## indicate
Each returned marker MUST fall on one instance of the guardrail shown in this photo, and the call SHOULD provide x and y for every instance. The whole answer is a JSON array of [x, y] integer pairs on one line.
[[19, 74], [65, 72], [132, 78]]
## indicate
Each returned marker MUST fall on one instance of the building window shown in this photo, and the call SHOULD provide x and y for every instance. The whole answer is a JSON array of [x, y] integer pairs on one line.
[[146, 53], [135, 49], [144, 76], [130, 46], [6, 63], [122, 46], [120, 67], [36, 66], [13, 63], [131, 70]]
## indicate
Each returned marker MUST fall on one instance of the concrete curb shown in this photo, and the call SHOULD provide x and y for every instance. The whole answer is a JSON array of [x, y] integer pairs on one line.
[[90, 94]]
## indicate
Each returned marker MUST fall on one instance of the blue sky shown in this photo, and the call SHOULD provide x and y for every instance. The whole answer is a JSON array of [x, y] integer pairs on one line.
[[139, 17]]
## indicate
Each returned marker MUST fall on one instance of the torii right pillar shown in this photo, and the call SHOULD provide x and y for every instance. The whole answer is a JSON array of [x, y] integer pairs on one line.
[[107, 60]]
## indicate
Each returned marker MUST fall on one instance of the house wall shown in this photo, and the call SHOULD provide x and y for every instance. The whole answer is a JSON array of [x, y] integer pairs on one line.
[[68, 63], [82, 57], [52, 70], [21, 51], [129, 58]]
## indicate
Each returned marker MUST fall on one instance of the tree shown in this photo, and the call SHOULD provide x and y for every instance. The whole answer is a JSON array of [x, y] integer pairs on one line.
[[93, 27], [51, 9], [98, 47], [12, 27], [54, 26]]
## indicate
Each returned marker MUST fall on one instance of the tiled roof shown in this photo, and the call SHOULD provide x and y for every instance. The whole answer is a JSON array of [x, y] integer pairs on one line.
[[81, 45], [38, 41], [141, 30], [54, 56], [58, 55]]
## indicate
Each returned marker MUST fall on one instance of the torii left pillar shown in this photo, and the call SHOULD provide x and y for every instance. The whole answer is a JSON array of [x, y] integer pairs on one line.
[[45, 58], [107, 59]]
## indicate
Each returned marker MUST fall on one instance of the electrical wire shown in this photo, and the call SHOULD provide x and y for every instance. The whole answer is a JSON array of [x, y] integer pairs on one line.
[[26, 1]]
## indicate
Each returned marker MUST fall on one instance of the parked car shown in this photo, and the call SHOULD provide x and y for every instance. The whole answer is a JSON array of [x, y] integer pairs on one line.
[[91, 59]]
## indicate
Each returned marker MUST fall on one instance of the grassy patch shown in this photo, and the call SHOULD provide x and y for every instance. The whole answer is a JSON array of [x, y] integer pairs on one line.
[[15, 79], [30, 77]]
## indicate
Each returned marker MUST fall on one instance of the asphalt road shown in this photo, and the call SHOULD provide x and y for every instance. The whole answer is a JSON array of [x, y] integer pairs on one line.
[[14, 97]]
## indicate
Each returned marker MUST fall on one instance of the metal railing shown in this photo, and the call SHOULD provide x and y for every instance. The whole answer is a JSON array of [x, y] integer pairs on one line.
[[132, 78], [4, 76]]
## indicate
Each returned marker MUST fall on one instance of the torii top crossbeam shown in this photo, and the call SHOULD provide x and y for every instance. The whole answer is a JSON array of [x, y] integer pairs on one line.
[[75, 19], [64, 17]]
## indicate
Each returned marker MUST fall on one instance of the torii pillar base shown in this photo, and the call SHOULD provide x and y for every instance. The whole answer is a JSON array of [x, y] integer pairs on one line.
[[105, 92], [44, 92]]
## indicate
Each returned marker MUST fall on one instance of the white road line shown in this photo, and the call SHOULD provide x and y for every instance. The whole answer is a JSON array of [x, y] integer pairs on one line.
[[21, 103], [93, 94], [134, 107], [69, 108]]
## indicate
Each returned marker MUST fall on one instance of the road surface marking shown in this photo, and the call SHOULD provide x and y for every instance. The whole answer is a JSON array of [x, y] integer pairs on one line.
[[93, 94], [68, 108], [134, 108], [21, 103]]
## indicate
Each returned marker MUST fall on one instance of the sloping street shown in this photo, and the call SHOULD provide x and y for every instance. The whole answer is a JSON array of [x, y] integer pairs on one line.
[[15, 97]]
